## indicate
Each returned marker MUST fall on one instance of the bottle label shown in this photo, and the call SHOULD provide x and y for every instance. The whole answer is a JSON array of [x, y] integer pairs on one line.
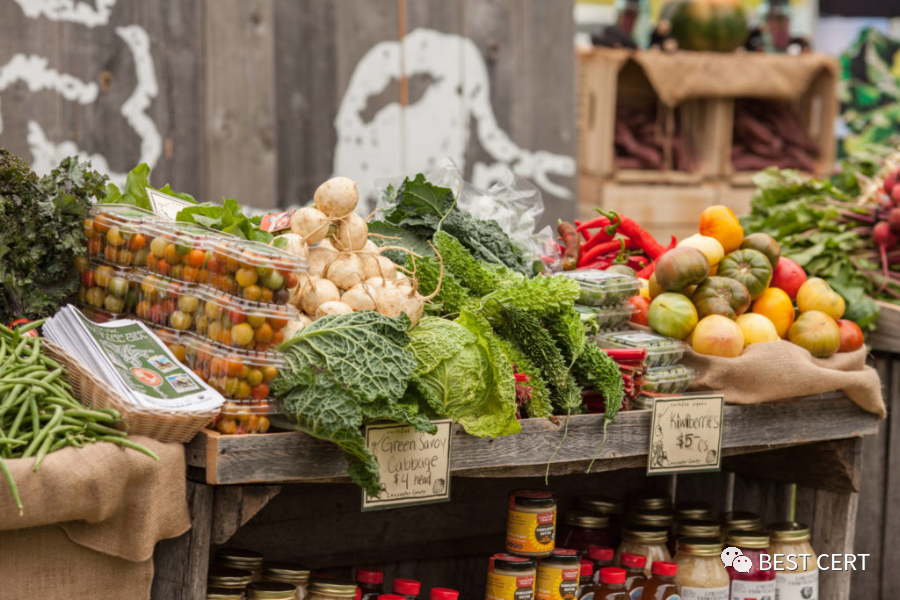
[[556, 584], [797, 586], [695, 593], [530, 533], [636, 594], [509, 587], [752, 590]]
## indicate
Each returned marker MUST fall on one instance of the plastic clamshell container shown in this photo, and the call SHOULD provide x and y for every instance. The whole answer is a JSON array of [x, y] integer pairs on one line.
[[602, 288], [236, 374], [245, 416], [120, 234], [668, 380], [221, 318], [610, 318], [106, 288], [662, 351]]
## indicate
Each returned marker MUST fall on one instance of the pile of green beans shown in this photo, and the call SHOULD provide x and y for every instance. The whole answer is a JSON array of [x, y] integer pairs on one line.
[[38, 413]]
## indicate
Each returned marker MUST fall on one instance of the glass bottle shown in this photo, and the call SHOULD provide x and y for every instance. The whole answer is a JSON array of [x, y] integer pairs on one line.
[[586, 582], [661, 585], [604, 505], [635, 577], [408, 588], [443, 594], [649, 542], [612, 585], [271, 590], [800, 578], [602, 558], [582, 530], [296, 575], [756, 583], [701, 575], [370, 583]]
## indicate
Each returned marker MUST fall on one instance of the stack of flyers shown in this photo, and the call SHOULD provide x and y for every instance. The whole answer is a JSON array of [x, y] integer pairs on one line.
[[127, 356]]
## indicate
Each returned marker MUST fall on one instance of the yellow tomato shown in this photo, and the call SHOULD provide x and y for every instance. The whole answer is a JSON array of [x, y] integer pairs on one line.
[[776, 305], [720, 222], [757, 328], [816, 294], [716, 335], [709, 246]]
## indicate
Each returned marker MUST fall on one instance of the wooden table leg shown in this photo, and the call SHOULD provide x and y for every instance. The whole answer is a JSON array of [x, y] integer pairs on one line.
[[181, 564]]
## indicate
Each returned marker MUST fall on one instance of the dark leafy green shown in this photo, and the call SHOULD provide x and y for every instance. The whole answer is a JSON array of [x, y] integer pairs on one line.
[[228, 218], [41, 233], [135, 191]]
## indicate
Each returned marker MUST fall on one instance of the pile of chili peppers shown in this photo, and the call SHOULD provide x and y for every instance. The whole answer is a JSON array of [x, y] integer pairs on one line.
[[607, 240]]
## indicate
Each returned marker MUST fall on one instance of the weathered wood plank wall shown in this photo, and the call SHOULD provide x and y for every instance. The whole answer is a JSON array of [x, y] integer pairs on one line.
[[264, 99]]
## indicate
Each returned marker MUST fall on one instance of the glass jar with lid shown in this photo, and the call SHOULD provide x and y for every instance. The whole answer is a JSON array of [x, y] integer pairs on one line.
[[271, 590], [698, 511], [650, 518], [651, 501], [370, 582], [635, 578], [229, 579], [531, 523], [757, 582], [224, 594], [701, 574], [331, 589], [238, 558], [696, 529], [642, 540], [612, 585], [558, 576], [582, 529], [800, 578], [661, 585], [408, 588], [610, 507], [740, 521], [510, 577], [296, 575]]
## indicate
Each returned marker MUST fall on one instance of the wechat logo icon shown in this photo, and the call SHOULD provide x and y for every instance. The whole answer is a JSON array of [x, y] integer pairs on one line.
[[733, 557]]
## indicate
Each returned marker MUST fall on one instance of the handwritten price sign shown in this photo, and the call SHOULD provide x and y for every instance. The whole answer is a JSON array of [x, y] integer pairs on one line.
[[414, 467], [686, 434]]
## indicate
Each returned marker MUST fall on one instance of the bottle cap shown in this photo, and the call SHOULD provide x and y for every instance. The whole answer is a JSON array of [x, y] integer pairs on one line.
[[391, 597], [407, 587], [587, 568], [664, 568], [612, 576], [444, 594], [370, 576], [600, 553], [634, 561]]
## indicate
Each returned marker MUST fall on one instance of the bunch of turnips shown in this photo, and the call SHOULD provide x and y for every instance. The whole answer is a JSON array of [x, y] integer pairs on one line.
[[347, 272]]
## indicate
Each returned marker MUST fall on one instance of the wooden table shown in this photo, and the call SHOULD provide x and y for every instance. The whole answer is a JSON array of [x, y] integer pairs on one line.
[[313, 514]]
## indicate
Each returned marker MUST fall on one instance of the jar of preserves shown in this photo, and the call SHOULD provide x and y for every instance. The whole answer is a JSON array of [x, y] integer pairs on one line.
[[582, 529], [649, 542], [757, 582], [800, 578], [229, 579], [296, 575], [531, 524], [612, 508], [332, 589], [586, 582], [558, 576], [634, 565], [601, 558], [510, 578], [612, 585], [661, 585], [271, 590], [651, 518], [740, 521], [701, 575], [698, 511], [370, 583], [238, 558], [224, 594], [443, 594], [408, 588], [651, 501], [696, 529]]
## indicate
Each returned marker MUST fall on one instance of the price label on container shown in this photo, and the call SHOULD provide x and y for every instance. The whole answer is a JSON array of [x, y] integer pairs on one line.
[[165, 205], [276, 221], [414, 466], [686, 434]]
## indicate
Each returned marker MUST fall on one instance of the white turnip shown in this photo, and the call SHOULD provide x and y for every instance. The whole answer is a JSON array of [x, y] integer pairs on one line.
[[319, 258], [337, 197], [352, 233], [332, 308], [293, 244], [393, 300], [295, 325], [319, 292], [310, 223], [360, 297], [371, 247], [345, 271]]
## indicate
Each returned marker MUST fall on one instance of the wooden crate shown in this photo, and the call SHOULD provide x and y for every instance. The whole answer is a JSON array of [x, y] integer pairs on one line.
[[607, 79]]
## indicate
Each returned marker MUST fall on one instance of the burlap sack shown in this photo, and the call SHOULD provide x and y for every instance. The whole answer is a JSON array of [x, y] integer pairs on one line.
[[112, 504], [782, 370]]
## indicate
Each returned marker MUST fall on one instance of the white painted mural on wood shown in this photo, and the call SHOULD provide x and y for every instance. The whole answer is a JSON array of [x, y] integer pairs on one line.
[[413, 138]]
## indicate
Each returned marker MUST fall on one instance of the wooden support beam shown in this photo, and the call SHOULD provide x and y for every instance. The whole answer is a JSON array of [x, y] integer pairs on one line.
[[235, 505]]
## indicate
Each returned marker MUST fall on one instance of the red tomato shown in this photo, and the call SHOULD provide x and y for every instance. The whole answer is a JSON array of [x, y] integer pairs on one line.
[[290, 281], [851, 336], [87, 279], [236, 316], [642, 308], [788, 276], [260, 391]]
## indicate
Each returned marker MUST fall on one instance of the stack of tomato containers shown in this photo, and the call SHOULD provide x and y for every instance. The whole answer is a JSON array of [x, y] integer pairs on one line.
[[219, 302]]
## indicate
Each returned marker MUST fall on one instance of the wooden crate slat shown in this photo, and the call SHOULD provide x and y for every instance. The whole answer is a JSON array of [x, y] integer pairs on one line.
[[295, 456]]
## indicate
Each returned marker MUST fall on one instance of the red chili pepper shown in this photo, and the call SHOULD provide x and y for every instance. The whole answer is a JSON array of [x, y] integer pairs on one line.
[[598, 238], [638, 234], [613, 248], [638, 262], [584, 233], [602, 264]]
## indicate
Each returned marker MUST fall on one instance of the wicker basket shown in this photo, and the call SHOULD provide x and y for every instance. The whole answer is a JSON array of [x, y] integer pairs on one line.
[[93, 392]]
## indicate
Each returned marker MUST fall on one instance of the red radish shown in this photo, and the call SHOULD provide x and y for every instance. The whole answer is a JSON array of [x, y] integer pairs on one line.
[[894, 220], [890, 181], [886, 239], [788, 276]]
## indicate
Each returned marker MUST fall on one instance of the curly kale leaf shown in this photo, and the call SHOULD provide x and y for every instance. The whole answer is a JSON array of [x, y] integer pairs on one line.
[[345, 371], [452, 296]]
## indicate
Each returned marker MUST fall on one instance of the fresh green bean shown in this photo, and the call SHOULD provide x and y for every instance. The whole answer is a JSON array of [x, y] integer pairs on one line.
[[45, 447], [44, 433], [91, 414], [13, 488], [128, 444], [26, 407]]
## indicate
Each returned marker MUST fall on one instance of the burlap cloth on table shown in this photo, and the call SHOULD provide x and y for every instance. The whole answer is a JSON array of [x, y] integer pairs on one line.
[[782, 370], [92, 517], [680, 76]]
